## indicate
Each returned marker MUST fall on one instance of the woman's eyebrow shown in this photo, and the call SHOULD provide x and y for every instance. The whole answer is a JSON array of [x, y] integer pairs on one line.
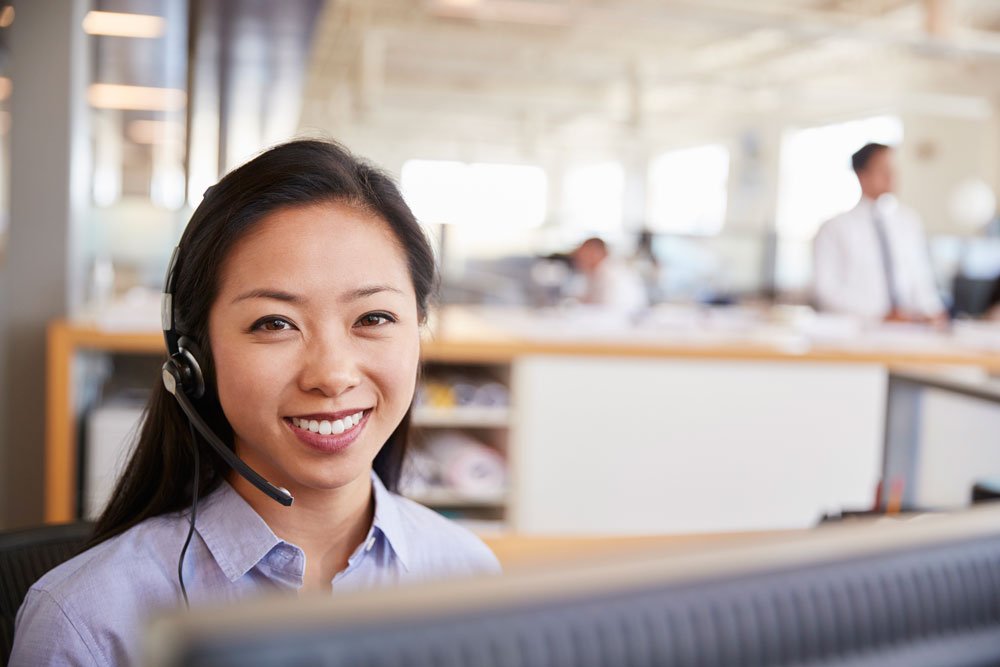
[[288, 297], [362, 292], [265, 293]]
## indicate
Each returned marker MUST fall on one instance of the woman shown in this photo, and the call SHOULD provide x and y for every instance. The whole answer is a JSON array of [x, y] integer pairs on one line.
[[300, 284]]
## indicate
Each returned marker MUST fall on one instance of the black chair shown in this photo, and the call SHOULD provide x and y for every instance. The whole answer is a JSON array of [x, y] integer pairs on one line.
[[25, 555]]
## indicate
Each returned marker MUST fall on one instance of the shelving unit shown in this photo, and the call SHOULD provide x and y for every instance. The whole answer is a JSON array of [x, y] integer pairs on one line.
[[461, 417], [487, 424], [444, 499]]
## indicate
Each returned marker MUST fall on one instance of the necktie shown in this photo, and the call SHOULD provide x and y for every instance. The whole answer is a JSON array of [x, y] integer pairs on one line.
[[883, 243]]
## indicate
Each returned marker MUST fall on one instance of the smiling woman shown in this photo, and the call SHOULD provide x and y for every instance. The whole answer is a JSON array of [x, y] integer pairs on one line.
[[299, 288]]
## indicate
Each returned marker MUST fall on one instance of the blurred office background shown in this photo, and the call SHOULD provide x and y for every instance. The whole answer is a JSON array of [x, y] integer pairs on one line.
[[720, 131]]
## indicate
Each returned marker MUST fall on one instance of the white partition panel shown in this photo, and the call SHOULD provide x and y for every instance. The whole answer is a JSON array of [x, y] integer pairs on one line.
[[959, 446], [636, 446]]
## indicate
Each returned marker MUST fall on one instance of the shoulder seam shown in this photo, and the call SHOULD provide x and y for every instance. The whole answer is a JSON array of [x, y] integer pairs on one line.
[[91, 646]]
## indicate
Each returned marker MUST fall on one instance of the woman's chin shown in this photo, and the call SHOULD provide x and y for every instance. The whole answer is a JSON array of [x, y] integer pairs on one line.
[[317, 479]]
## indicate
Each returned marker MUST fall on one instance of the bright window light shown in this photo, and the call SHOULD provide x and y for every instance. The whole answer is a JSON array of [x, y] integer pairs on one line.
[[688, 190], [594, 197], [816, 179], [479, 195]]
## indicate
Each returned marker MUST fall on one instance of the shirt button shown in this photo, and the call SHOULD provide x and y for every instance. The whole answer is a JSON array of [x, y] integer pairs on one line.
[[370, 543]]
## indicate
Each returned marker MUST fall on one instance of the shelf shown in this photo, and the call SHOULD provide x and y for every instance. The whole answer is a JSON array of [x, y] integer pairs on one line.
[[446, 499], [463, 417]]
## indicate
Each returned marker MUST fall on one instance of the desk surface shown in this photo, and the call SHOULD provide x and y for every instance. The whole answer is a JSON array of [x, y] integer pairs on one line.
[[517, 551]]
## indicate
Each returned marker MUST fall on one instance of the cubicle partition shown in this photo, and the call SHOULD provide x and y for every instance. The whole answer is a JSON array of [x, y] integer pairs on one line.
[[942, 437]]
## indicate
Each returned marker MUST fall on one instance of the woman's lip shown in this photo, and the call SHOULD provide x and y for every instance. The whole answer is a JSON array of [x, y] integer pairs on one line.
[[329, 443], [329, 416]]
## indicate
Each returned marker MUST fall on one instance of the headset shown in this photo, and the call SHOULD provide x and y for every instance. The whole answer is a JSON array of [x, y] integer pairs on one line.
[[183, 378]]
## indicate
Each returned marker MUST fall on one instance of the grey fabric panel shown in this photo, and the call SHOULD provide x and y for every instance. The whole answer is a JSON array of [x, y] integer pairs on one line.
[[935, 607]]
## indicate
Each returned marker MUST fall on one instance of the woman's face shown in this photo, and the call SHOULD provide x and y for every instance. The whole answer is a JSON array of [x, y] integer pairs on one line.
[[316, 344]]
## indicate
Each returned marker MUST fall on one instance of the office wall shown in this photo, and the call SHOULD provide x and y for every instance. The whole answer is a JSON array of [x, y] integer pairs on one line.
[[939, 153], [41, 277]]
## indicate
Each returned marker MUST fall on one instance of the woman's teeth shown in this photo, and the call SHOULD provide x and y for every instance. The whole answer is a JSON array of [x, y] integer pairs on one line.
[[325, 427]]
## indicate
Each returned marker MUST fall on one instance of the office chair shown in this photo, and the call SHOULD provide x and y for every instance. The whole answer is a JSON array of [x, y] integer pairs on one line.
[[25, 555]]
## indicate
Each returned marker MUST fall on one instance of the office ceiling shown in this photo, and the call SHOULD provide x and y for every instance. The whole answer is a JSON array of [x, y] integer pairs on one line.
[[551, 68]]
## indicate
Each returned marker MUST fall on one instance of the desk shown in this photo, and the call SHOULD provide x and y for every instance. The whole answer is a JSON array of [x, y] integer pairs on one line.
[[465, 336], [525, 551]]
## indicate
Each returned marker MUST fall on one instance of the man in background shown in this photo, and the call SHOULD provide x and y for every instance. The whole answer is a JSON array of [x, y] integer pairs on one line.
[[872, 261]]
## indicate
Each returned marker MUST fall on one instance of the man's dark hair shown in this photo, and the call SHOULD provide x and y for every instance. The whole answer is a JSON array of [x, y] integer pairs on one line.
[[860, 159]]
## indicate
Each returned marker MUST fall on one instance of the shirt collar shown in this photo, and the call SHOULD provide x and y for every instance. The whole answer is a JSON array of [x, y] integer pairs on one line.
[[389, 521], [238, 538]]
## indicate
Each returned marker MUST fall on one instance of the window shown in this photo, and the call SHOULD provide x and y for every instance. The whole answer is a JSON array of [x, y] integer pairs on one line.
[[816, 182], [688, 190], [594, 198], [481, 195], [816, 179]]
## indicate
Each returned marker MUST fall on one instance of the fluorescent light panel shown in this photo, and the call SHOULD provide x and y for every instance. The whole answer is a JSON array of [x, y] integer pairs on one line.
[[117, 24], [135, 98], [153, 131]]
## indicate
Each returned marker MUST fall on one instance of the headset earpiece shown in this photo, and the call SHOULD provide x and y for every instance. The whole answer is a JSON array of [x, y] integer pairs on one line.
[[183, 378], [182, 370]]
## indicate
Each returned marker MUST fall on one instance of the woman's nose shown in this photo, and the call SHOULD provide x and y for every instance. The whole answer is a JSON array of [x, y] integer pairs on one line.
[[330, 367]]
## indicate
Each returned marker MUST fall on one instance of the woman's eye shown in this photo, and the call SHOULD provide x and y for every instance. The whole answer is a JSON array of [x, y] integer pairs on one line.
[[271, 324], [375, 319]]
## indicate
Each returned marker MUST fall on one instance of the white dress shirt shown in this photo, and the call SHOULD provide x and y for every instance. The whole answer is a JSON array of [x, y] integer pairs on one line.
[[616, 285], [850, 272]]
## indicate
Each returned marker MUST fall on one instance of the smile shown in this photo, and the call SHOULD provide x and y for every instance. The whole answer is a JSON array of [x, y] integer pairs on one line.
[[325, 427], [329, 435]]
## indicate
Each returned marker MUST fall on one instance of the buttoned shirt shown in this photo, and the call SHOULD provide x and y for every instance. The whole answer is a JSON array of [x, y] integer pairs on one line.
[[91, 610]]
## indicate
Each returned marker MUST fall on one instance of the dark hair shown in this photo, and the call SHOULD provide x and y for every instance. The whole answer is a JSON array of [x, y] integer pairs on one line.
[[159, 476], [860, 159]]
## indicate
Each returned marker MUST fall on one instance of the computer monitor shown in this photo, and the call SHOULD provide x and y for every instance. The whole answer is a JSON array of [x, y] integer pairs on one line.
[[914, 592]]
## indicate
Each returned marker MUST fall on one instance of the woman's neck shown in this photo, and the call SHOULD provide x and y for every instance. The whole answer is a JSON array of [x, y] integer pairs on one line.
[[328, 524]]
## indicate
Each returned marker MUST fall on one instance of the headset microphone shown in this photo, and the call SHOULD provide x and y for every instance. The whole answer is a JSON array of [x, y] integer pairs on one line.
[[183, 378]]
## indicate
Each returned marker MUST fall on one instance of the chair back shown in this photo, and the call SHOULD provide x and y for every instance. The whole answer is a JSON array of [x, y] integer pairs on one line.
[[25, 555]]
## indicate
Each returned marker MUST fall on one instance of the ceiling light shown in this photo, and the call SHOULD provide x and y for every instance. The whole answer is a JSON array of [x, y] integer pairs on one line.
[[529, 12], [135, 98], [116, 24], [153, 131]]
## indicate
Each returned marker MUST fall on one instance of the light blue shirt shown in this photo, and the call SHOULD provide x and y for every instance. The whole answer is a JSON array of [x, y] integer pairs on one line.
[[91, 610]]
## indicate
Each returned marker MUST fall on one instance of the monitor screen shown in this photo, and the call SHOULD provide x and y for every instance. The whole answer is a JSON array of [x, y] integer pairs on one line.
[[909, 592]]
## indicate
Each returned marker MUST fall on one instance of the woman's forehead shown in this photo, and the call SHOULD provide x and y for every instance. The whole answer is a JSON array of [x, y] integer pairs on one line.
[[317, 247]]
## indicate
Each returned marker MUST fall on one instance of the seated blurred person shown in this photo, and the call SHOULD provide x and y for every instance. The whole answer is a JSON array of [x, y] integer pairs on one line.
[[606, 281], [872, 261]]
